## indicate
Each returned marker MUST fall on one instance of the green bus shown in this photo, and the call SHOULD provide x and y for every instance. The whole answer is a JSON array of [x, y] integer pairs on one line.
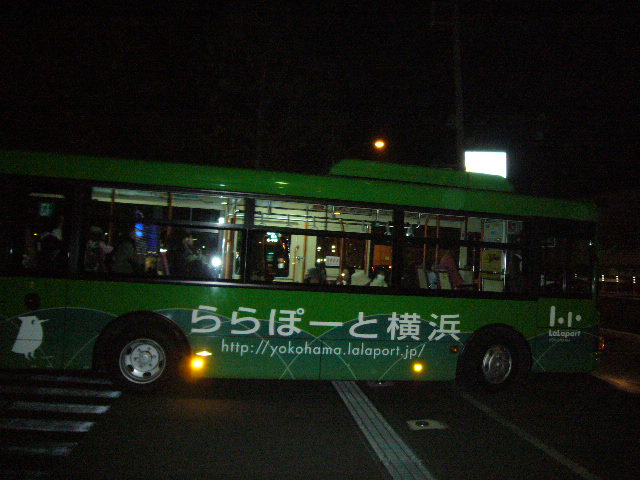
[[151, 271]]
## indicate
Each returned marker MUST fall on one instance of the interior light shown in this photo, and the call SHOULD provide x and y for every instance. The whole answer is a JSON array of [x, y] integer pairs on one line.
[[216, 262], [204, 353], [418, 367]]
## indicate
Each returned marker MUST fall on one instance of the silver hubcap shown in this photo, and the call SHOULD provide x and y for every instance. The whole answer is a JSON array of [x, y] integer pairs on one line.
[[497, 364], [142, 360]]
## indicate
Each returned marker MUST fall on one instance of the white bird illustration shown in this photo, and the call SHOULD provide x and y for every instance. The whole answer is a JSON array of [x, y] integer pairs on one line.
[[29, 336]]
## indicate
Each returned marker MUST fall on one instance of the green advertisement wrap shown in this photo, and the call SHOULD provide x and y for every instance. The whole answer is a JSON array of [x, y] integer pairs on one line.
[[321, 336]]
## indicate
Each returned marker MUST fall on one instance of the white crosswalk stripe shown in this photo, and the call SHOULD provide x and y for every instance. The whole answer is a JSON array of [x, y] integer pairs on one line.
[[59, 407], [38, 425], [43, 417], [58, 391]]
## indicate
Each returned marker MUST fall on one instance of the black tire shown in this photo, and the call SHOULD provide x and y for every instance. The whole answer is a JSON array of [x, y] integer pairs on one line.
[[143, 359], [493, 359]]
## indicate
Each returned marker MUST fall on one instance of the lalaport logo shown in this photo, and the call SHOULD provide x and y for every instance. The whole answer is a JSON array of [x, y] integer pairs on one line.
[[29, 336], [559, 334]]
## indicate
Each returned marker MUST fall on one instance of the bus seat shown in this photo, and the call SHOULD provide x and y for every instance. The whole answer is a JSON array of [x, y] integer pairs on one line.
[[422, 277], [443, 279]]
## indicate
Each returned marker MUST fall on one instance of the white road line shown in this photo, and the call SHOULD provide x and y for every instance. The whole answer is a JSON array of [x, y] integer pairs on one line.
[[70, 379], [552, 452], [393, 452], [57, 391], [8, 474], [50, 449], [36, 425], [59, 407], [44, 377]]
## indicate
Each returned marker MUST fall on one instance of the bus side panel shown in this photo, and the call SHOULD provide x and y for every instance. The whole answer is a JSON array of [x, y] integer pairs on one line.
[[92, 306], [265, 333], [380, 361], [33, 337], [254, 357], [567, 336]]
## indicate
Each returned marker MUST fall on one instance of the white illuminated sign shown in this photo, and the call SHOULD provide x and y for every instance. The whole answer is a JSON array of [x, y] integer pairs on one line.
[[272, 237], [493, 163]]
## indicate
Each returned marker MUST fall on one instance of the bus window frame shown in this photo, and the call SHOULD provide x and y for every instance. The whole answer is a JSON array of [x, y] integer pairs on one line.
[[572, 230], [79, 217], [21, 186]]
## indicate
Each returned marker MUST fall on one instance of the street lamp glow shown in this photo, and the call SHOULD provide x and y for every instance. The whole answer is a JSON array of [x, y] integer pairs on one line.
[[379, 144]]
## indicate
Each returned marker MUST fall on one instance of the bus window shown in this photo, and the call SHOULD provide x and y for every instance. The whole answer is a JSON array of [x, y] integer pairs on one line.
[[449, 252], [269, 256], [552, 259], [318, 259], [580, 269], [35, 233], [134, 232], [566, 255], [315, 216], [418, 272], [193, 207], [434, 226], [341, 240], [198, 254], [515, 279]]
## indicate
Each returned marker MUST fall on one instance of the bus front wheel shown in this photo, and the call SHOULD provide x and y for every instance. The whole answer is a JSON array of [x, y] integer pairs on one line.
[[143, 360], [494, 359]]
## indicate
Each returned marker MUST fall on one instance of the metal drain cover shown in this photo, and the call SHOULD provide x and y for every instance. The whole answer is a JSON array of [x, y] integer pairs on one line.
[[426, 424]]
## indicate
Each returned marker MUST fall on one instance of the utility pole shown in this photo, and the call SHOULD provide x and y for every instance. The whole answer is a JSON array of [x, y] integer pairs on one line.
[[447, 13], [457, 81]]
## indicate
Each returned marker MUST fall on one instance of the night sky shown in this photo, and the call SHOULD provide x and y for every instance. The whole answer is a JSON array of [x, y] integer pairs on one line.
[[287, 87]]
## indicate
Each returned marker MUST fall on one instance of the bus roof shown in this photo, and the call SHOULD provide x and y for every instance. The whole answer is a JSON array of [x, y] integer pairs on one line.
[[350, 180], [415, 174]]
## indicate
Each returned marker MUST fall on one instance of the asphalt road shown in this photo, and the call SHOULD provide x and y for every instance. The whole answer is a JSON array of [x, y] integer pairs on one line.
[[553, 426]]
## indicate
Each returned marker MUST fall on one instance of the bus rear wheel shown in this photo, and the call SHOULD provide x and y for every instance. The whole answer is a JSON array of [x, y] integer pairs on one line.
[[494, 359], [143, 360], [497, 364]]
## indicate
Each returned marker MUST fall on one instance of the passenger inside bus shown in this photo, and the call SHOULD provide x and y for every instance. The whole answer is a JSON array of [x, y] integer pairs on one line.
[[51, 256], [360, 278], [316, 275], [378, 278], [448, 265], [125, 259], [185, 260], [345, 277], [96, 251]]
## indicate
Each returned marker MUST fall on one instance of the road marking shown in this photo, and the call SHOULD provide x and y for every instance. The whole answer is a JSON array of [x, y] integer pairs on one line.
[[36, 425], [44, 377], [552, 452], [59, 407], [57, 391], [426, 424], [70, 379], [19, 474], [50, 449], [393, 452]]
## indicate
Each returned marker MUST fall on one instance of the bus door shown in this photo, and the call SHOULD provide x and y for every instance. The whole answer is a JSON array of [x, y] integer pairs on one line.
[[34, 263]]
